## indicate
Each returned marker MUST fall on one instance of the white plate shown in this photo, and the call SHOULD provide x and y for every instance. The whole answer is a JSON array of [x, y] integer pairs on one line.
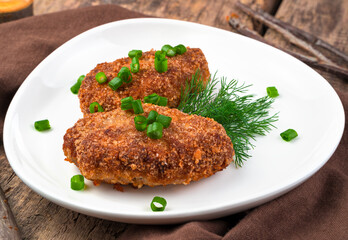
[[306, 103]]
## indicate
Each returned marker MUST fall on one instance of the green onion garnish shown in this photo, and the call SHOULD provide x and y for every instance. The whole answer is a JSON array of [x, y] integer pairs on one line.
[[152, 116], [101, 77], [153, 98], [288, 135], [166, 47], [161, 63], [135, 65], [158, 201], [164, 120], [135, 53], [93, 105], [162, 101], [42, 125], [137, 107], [125, 75], [140, 122], [76, 87], [180, 49], [77, 182], [169, 50], [155, 130], [272, 92], [115, 83], [126, 103]]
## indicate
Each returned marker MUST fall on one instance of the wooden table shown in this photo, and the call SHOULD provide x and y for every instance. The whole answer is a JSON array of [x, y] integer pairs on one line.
[[39, 218]]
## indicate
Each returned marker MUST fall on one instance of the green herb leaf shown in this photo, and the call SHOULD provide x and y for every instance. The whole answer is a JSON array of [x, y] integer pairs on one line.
[[243, 117]]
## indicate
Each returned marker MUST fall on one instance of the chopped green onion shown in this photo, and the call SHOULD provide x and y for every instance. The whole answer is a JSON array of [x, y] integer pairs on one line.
[[140, 122], [76, 87], [101, 77], [164, 120], [93, 105], [158, 201], [169, 50], [272, 92], [162, 101], [115, 83], [126, 103], [125, 75], [135, 65], [152, 116], [166, 47], [137, 107], [77, 182], [160, 55], [161, 63], [155, 130], [42, 125], [180, 49], [135, 53], [153, 98], [288, 135]]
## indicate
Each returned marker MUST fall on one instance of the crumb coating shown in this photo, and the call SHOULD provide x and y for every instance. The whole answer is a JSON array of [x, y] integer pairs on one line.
[[145, 82], [106, 147]]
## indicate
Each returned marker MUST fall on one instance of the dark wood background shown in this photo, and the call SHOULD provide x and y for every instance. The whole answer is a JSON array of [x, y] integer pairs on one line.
[[39, 218]]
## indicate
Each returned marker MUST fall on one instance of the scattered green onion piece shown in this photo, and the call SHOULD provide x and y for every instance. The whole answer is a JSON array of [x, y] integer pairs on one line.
[[180, 49], [42, 125], [153, 98], [76, 87], [125, 75], [101, 77], [288, 135], [140, 122], [164, 120], [77, 182], [158, 200], [169, 50], [160, 55], [152, 116], [135, 53], [115, 83], [161, 63], [166, 47], [126, 103], [272, 92], [135, 65], [161, 66], [137, 107], [162, 101], [93, 105], [155, 130]]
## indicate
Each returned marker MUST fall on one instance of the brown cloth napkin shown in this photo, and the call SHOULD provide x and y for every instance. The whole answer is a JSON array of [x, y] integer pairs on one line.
[[318, 209]]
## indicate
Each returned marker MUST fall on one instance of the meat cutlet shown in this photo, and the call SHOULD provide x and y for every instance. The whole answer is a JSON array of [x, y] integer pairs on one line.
[[106, 147], [147, 81]]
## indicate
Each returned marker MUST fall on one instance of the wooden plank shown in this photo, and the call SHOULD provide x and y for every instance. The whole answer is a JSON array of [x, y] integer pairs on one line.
[[324, 18], [212, 13]]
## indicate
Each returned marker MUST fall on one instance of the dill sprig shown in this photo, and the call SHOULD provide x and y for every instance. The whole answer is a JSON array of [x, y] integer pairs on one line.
[[243, 117]]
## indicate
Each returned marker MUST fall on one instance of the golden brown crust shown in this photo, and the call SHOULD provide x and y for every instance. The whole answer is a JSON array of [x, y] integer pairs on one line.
[[145, 82], [107, 147]]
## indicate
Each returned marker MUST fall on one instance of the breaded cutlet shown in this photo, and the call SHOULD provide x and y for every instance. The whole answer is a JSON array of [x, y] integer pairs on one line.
[[106, 147], [147, 81]]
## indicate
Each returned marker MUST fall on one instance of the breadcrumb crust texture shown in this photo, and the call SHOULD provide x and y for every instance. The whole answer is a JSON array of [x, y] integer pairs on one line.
[[107, 147]]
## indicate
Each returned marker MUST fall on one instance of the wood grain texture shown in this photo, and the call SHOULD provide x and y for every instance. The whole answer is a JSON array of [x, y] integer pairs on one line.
[[8, 225], [212, 13], [323, 18]]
